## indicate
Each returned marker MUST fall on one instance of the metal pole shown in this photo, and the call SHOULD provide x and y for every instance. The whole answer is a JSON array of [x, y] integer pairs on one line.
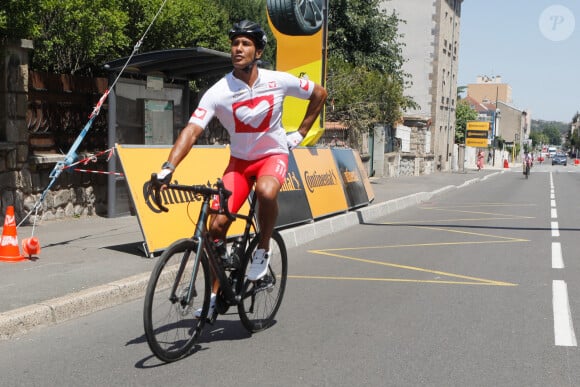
[[112, 139]]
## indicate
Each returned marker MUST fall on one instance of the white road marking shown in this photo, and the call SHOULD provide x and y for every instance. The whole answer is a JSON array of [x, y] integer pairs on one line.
[[555, 230], [552, 203], [557, 260], [554, 213], [563, 326]]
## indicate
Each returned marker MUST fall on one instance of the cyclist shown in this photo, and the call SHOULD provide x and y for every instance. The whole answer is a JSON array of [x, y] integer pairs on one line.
[[248, 103], [528, 161]]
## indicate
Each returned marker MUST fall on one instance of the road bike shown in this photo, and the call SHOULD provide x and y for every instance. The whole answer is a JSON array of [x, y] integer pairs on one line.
[[181, 281], [527, 167]]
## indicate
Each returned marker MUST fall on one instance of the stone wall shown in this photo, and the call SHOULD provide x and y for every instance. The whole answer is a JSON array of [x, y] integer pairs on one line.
[[24, 175]]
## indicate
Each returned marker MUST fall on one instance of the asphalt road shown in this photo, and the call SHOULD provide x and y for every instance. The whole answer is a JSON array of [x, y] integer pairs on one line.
[[469, 289]]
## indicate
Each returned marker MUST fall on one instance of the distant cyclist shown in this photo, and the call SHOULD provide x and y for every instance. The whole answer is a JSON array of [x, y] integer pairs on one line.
[[527, 163], [248, 103]]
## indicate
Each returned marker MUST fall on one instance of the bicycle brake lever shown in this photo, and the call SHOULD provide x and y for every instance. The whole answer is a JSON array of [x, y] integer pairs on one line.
[[155, 188], [224, 195]]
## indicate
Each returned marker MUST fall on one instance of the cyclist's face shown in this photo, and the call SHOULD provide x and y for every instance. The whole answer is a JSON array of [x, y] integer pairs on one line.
[[243, 51]]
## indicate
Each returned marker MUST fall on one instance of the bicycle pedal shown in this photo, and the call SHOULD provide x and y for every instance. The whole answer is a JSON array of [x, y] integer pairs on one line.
[[211, 320]]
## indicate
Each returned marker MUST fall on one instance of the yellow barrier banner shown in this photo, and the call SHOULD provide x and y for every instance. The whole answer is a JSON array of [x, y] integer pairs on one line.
[[202, 165], [321, 181], [300, 56], [365, 176], [352, 180]]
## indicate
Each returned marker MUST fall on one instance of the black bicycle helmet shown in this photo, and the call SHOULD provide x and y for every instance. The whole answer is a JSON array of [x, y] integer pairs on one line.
[[252, 30]]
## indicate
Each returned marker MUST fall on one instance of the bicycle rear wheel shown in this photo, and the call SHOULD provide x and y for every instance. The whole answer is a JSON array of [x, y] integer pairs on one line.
[[261, 299], [170, 325]]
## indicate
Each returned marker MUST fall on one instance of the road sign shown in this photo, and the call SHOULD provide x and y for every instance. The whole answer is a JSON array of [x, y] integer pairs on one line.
[[477, 133]]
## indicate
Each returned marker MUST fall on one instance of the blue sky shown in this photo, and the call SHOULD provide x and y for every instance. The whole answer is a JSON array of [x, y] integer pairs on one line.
[[534, 45]]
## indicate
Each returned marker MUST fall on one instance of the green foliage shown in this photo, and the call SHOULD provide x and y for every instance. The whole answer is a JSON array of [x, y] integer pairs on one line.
[[553, 134], [463, 113], [365, 79], [77, 35], [182, 23], [539, 138], [363, 35], [540, 125], [254, 10], [15, 20]]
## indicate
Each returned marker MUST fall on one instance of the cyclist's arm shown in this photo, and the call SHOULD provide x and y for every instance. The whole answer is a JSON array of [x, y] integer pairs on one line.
[[186, 139], [317, 99]]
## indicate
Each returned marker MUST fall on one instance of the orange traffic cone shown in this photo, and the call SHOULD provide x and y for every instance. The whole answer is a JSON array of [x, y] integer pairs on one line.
[[9, 250], [30, 246]]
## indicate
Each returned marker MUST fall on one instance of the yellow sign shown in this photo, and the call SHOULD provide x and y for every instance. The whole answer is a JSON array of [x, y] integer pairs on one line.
[[478, 125], [300, 56], [202, 165], [477, 133], [476, 142], [321, 180]]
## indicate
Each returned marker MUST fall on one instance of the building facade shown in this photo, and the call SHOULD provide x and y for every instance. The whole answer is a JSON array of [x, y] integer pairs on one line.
[[431, 37], [489, 90], [509, 123]]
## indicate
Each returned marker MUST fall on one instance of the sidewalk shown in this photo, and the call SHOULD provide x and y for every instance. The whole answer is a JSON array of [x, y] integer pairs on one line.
[[89, 264]]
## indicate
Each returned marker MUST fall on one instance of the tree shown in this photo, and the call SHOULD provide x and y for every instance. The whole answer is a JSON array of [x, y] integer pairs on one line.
[[254, 10], [553, 134], [363, 35], [182, 23], [15, 20], [77, 36], [463, 113], [365, 78], [539, 138]]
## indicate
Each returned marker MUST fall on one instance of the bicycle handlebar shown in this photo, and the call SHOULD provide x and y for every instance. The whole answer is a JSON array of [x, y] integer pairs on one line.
[[205, 191]]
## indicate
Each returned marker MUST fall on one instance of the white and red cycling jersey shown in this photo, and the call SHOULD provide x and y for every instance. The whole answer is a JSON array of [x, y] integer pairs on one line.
[[252, 115]]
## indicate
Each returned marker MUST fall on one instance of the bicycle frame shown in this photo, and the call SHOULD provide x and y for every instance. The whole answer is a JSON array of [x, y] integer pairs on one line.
[[202, 237]]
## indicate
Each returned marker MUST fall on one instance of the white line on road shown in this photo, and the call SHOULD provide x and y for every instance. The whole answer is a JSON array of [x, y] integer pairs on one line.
[[557, 260], [555, 230], [563, 326], [552, 196], [554, 213], [552, 203]]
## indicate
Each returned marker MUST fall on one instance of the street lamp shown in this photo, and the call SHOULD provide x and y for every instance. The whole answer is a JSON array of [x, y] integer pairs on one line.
[[496, 116]]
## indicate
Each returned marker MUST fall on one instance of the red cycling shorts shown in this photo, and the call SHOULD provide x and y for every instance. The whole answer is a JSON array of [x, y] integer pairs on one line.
[[240, 175]]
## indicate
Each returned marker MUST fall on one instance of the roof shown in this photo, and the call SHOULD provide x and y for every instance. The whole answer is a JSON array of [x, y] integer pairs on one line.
[[479, 107], [176, 63]]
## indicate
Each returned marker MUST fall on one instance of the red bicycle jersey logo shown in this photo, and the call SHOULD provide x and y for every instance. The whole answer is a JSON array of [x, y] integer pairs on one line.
[[253, 115]]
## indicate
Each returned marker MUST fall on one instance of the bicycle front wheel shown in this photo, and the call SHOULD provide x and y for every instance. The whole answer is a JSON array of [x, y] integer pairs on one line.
[[261, 299], [172, 297]]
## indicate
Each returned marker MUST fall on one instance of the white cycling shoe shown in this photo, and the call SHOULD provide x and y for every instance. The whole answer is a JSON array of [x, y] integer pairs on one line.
[[197, 313], [259, 266]]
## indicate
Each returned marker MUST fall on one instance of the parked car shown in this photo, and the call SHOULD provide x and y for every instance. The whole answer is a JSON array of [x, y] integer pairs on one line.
[[560, 159]]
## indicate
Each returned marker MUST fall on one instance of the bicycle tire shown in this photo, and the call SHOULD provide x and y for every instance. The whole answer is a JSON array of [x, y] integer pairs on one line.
[[261, 299], [171, 327]]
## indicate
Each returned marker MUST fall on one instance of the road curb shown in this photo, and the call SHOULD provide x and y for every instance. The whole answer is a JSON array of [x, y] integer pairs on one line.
[[19, 321]]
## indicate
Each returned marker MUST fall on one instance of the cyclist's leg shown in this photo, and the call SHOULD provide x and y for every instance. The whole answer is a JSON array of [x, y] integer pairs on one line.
[[234, 180], [270, 174]]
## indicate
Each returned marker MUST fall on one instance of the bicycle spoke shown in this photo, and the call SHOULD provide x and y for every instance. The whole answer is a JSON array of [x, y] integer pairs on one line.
[[170, 325]]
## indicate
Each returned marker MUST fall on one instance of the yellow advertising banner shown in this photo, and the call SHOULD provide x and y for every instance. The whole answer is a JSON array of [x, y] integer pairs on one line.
[[300, 56], [321, 181], [202, 165]]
